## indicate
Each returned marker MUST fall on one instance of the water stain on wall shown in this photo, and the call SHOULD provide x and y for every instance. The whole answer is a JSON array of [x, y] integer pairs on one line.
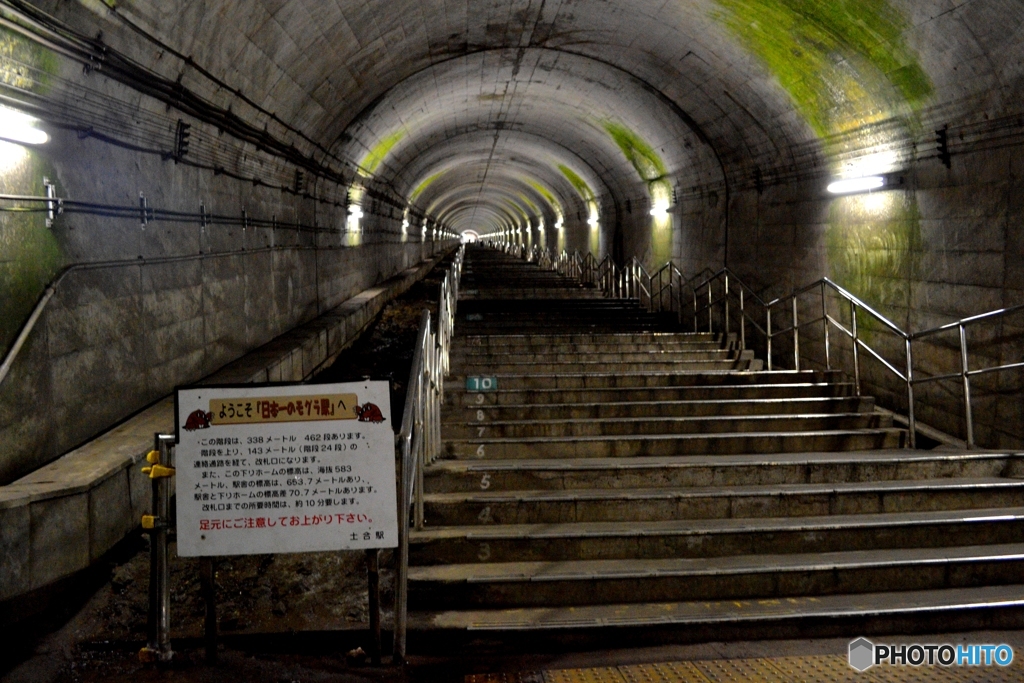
[[874, 246]]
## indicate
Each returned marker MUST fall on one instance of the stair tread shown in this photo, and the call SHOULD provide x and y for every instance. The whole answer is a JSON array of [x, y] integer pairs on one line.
[[654, 437], [640, 568], [553, 495], [681, 403], [700, 527], [725, 611], [902, 455], [668, 419]]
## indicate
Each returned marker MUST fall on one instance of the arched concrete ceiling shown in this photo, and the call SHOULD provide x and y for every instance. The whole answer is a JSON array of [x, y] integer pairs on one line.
[[712, 87], [586, 113], [531, 161]]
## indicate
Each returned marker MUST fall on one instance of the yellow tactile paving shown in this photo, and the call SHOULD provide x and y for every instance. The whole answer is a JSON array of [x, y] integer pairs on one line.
[[815, 669], [609, 674]]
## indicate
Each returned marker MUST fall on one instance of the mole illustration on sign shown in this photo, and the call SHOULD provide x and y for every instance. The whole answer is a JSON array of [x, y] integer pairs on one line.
[[198, 420], [368, 412]]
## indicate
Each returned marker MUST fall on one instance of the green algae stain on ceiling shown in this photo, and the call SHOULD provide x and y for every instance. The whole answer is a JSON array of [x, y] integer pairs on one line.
[[843, 62], [577, 182], [375, 157], [544, 192], [640, 155], [427, 182]]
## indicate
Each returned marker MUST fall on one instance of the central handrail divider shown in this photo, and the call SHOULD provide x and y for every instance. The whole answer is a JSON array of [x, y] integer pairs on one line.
[[419, 440], [632, 281]]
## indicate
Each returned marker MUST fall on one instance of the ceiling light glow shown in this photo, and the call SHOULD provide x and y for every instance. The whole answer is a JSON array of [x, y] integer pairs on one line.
[[660, 208], [855, 185]]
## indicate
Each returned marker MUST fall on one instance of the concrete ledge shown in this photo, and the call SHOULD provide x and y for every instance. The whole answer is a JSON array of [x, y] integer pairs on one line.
[[57, 520]]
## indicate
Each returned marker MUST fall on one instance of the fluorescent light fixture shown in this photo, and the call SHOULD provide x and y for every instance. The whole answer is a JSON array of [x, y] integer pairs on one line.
[[855, 185], [660, 208], [21, 128]]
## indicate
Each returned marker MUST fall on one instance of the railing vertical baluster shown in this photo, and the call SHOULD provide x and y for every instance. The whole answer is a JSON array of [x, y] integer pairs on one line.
[[796, 338], [965, 370], [725, 298], [768, 334], [710, 304], [856, 347], [824, 322], [743, 322], [695, 309], [910, 394]]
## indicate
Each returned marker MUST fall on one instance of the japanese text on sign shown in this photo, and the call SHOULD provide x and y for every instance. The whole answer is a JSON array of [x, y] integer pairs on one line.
[[283, 409], [291, 472]]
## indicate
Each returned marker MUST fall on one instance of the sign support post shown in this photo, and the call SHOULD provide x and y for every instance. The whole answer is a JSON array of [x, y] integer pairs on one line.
[[208, 581], [373, 581]]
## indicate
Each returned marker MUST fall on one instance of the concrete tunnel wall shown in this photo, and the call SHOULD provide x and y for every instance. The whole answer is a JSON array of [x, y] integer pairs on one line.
[[504, 118]]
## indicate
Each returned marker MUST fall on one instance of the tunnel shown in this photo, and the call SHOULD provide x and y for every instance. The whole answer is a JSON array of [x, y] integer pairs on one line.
[[231, 191]]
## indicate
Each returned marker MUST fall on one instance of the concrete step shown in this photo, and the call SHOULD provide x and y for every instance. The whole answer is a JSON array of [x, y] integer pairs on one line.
[[658, 426], [478, 293], [627, 446], [572, 474], [690, 538], [547, 306], [486, 508], [595, 582], [571, 350], [544, 341], [476, 323], [739, 360], [457, 395], [610, 410], [878, 612], [527, 360], [609, 380]]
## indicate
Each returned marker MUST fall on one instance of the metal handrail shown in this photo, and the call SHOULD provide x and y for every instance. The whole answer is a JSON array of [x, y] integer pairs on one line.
[[628, 282], [419, 439], [858, 306]]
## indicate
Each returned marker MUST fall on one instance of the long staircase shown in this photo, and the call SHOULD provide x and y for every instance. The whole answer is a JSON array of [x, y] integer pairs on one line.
[[619, 474]]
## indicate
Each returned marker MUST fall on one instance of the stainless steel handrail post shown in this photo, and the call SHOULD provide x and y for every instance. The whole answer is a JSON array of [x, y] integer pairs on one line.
[[743, 322], [725, 298], [856, 346], [711, 304], [796, 338], [964, 367], [768, 334], [824, 322], [910, 393]]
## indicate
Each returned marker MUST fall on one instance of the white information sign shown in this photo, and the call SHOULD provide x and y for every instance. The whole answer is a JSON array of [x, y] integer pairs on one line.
[[285, 469]]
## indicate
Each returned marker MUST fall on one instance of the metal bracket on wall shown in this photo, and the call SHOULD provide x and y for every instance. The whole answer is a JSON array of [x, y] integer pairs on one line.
[[54, 206], [143, 211]]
